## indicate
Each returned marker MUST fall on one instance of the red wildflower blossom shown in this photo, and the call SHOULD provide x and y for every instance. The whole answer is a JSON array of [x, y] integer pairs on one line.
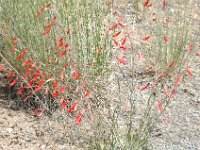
[[35, 112], [22, 54], [60, 43], [42, 9], [165, 92], [124, 40], [172, 64], [113, 27], [63, 89], [63, 105], [116, 34], [62, 75], [191, 47], [79, 118], [38, 15], [50, 25], [164, 4], [149, 69], [76, 75], [2, 68], [116, 43], [122, 60], [153, 84], [88, 106], [168, 20], [147, 4], [178, 79], [124, 48], [55, 93], [63, 53], [13, 82], [173, 92], [86, 94], [20, 91], [120, 19], [41, 113], [146, 38], [26, 74], [26, 62], [123, 26], [72, 108], [144, 87], [140, 56], [10, 75], [26, 98], [166, 39], [46, 32], [62, 100], [55, 84], [160, 106], [40, 85], [189, 71]]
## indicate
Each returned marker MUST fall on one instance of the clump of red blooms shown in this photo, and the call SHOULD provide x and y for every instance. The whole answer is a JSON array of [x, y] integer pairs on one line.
[[120, 37], [40, 80]]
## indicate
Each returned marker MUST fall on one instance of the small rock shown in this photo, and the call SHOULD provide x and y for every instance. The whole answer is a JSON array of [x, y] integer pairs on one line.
[[9, 130]]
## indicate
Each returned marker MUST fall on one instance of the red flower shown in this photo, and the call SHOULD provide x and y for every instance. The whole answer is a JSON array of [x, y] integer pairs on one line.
[[46, 32], [160, 106], [35, 112], [124, 48], [63, 54], [122, 60], [172, 64], [123, 26], [41, 113], [40, 85], [164, 4], [79, 118], [144, 87], [113, 27], [188, 70], [22, 54], [86, 94], [55, 84], [26, 62], [198, 54], [146, 38], [38, 15], [63, 105], [20, 91], [191, 47], [124, 40], [116, 34], [76, 75], [2, 68], [168, 20], [13, 83], [166, 39], [50, 25], [178, 79], [55, 93], [10, 75], [74, 105], [60, 43], [166, 92], [116, 43], [147, 4]]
